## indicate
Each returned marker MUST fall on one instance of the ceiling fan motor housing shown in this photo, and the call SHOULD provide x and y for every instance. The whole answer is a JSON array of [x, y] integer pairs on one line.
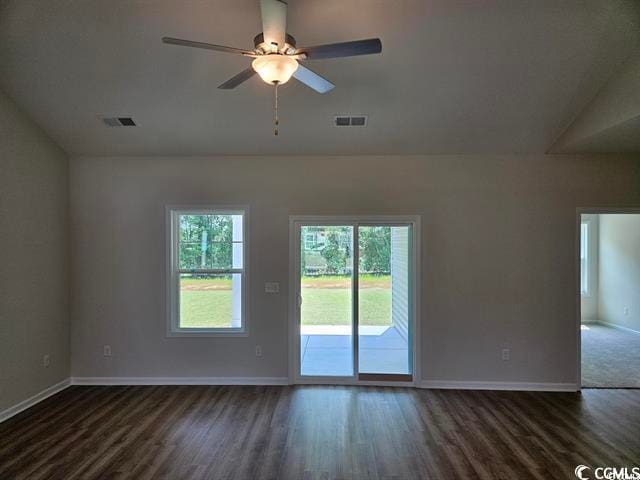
[[262, 47]]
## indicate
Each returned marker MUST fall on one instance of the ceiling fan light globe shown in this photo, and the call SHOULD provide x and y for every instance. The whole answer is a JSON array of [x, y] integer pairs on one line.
[[275, 69]]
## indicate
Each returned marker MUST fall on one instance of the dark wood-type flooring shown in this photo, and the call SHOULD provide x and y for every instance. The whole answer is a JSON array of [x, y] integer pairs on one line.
[[191, 432]]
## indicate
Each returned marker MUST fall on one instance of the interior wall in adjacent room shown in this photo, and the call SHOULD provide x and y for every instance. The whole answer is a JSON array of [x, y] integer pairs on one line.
[[619, 298]]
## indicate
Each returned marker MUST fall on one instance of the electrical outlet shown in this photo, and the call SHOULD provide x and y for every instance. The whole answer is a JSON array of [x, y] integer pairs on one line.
[[506, 354], [106, 350], [258, 351], [46, 360], [626, 311]]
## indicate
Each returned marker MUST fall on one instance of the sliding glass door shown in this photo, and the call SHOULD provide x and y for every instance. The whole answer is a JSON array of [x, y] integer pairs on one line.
[[384, 300], [326, 301], [354, 284]]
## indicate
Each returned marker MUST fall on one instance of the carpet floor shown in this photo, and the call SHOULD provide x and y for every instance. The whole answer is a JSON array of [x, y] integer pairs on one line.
[[610, 357]]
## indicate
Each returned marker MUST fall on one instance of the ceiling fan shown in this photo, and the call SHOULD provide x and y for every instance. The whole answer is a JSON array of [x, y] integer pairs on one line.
[[276, 57]]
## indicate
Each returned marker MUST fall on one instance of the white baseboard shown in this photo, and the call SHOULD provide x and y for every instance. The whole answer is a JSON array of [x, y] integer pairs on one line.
[[522, 386], [179, 381], [38, 397], [617, 327]]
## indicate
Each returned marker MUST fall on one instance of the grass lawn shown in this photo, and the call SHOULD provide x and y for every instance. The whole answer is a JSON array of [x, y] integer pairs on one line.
[[325, 301], [335, 281], [333, 306], [205, 302], [201, 308]]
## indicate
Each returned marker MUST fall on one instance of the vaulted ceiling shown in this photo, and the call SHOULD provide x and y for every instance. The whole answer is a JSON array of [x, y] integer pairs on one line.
[[491, 76]]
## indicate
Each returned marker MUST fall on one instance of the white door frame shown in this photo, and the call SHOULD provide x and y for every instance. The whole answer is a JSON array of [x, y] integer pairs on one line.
[[579, 212], [296, 221]]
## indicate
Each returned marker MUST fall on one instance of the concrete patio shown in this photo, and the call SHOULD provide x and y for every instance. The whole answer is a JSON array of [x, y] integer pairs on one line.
[[326, 350]]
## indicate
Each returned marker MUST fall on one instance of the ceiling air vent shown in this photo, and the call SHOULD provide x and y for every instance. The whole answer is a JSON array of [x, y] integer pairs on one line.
[[350, 121], [118, 121]]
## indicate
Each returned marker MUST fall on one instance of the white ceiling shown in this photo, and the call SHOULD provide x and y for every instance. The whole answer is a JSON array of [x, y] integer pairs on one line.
[[623, 137], [475, 76], [611, 121]]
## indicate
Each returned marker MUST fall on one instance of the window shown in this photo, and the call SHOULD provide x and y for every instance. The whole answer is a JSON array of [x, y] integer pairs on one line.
[[584, 258], [206, 271], [310, 241]]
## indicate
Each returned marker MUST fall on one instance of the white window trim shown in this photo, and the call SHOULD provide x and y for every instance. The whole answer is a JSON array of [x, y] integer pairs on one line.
[[172, 297]]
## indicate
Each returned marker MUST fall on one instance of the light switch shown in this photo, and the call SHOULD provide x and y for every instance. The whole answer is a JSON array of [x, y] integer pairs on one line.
[[272, 287]]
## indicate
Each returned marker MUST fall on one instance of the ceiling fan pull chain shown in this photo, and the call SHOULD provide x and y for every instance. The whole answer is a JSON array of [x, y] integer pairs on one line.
[[275, 119]]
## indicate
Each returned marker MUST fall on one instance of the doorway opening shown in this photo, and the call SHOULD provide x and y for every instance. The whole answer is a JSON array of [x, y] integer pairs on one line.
[[354, 302], [609, 287]]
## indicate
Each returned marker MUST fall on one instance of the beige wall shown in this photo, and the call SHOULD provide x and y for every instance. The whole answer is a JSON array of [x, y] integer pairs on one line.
[[498, 255], [620, 270], [34, 206]]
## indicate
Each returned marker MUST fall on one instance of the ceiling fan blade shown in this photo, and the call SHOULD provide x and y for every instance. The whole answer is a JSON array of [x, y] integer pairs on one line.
[[344, 49], [274, 22], [312, 80], [207, 46], [233, 82]]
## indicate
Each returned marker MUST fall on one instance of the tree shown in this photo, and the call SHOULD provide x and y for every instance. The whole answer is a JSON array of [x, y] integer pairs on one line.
[[375, 249], [334, 253], [206, 241]]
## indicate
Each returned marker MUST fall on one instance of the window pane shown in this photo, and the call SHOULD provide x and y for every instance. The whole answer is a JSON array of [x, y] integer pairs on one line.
[[210, 301], [210, 241], [383, 290], [326, 344], [375, 276]]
